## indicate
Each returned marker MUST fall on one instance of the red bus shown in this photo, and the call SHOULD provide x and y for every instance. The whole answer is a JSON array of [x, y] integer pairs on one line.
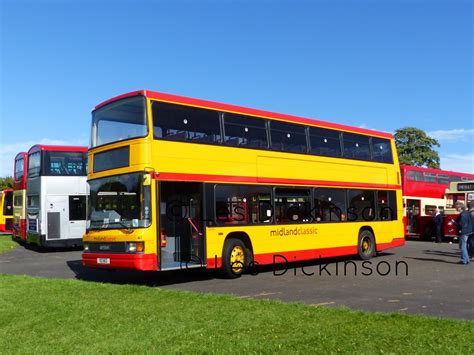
[[424, 190], [19, 196]]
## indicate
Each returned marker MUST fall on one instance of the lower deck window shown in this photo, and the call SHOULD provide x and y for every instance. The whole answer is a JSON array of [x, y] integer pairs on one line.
[[292, 205], [235, 204], [330, 205], [361, 205]]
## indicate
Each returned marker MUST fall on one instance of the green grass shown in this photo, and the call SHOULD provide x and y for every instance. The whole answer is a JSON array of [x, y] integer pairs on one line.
[[55, 316], [6, 243]]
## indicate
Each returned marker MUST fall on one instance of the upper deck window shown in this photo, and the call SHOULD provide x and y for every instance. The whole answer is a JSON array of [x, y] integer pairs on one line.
[[119, 120], [430, 177], [245, 131], [52, 163], [19, 168], [184, 123], [34, 164], [64, 163], [356, 146], [443, 179], [288, 137], [415, 175], [455, 178], [381, 150], [325, 142]]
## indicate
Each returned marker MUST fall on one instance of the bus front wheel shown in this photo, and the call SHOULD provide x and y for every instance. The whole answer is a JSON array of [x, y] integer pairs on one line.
[[366, 245], [234, 258]]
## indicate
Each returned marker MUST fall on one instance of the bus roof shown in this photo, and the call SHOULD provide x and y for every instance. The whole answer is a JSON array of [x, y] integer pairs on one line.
[[21, 155], [435, 171], [20, 184], [243, 110], [56, 148]]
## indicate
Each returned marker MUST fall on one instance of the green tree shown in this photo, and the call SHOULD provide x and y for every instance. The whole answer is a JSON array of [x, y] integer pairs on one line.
[[416, 148], [6, 182]]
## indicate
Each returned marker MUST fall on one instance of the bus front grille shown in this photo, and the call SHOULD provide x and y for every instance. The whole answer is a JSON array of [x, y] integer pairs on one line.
[[119, 247]]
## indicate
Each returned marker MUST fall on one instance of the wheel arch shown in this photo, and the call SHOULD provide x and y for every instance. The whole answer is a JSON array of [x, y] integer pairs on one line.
[[244, 237], [370, 229]]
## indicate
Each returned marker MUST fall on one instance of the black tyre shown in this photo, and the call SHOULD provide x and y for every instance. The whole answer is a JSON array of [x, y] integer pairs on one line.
[[366, 246], [235, 258]]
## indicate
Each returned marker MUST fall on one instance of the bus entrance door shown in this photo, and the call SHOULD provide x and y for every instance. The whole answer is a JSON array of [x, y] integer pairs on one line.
[[181, 236], [413, 216]]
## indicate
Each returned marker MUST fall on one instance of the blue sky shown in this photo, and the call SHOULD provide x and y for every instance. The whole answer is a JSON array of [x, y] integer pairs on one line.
[[376, 64]]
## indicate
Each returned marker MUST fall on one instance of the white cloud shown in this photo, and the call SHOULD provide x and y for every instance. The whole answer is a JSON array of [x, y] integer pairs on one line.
[[456, 162], [9, 151], [459, 134]]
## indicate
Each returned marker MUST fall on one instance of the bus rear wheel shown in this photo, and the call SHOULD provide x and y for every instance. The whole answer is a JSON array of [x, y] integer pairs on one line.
[[235, 257], [366, 246]]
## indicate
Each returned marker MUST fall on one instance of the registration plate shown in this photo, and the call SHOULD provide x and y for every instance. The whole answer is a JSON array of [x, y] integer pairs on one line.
[[103, 261]]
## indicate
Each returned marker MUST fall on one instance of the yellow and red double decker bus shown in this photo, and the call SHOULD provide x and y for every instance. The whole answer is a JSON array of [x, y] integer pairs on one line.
[[6, 211], [177, 182]]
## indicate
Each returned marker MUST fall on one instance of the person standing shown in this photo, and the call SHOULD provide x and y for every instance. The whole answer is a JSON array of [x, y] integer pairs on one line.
[[465, 229], [438, 224], [470, 240]]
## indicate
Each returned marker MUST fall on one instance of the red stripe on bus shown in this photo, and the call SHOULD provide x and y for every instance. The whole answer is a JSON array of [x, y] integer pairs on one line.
[[397, 242], [249, 179], [57, 148], [3, 228], [243, 110]]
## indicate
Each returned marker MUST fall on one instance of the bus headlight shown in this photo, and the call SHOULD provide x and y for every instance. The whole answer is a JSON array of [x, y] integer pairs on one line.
[[86, 247], [135, 247]]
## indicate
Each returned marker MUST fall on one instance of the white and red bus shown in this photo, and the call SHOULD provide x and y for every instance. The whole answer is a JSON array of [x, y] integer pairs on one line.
[[19, 196], [424, 190], [56, 195]]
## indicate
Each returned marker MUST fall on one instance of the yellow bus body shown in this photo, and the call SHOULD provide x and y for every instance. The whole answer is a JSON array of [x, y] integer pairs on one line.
[[184, 161]]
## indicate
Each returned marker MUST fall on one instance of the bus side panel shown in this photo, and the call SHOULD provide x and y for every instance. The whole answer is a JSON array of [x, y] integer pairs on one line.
[[303, 241], [19, 214], [322, 169]]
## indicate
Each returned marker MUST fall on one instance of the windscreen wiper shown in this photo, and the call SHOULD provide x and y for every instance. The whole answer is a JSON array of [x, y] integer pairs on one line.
[[99, 225]]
